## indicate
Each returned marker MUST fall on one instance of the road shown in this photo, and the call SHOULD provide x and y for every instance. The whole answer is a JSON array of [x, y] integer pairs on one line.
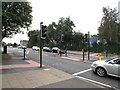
[[72, 64]]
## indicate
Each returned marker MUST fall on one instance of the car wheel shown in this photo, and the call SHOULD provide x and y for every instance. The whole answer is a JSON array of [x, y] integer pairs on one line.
[[101, 71]]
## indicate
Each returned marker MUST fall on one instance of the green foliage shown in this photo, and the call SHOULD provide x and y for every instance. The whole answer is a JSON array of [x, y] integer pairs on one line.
[[3, 43], [72, 40], [77, 41], [109, 29], [34, 37], [15, 15], [64, 26], [9, 44], [5, 57], [112, 49], [15, 45]]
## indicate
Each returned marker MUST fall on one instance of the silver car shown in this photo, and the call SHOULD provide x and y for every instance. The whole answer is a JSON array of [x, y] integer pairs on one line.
[[107, 67], [35, 48]]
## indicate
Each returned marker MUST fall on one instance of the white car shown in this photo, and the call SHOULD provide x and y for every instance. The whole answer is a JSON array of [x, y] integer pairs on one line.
[[24, 47], [19, 46], [35, 48], [47, 49], [54, 49], [107, 67]]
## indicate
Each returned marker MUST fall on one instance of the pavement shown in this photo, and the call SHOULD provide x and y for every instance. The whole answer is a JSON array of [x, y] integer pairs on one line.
[[103, 55], [19, 73]]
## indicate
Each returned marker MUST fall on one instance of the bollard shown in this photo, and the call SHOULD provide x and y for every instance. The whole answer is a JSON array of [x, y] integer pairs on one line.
[[5, 49], [99, 57], [58, 51], [24, 53], [38, 51], [83, 53]]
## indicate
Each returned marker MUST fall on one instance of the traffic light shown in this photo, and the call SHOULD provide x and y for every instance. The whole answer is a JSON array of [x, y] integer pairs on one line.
[[43, 31], [62, 37], [86, 37]]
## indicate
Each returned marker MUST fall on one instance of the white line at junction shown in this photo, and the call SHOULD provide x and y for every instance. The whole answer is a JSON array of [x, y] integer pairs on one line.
[[82, 72], [96, 82]]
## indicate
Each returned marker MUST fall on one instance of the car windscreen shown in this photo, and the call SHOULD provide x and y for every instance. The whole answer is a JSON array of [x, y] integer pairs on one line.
[[112, 59]]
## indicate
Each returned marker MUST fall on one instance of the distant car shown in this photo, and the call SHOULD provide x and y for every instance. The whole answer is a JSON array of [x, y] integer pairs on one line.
[[47, 49], [11, 46], [35, 48], [107, 67], [19, 46], [62, 51], [54, 50], [24, 47]]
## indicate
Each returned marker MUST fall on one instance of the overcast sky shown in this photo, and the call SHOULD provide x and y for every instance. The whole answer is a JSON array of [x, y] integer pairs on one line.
[[86, 14]]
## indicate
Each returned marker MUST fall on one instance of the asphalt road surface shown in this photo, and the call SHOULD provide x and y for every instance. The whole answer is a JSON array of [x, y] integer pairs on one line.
[[72, 64]]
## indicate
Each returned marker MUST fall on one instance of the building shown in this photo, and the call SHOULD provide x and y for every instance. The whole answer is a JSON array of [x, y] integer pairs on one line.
[[23, 42]]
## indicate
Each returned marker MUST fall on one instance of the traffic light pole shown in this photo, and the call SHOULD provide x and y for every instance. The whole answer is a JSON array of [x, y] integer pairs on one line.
[[83, 50], [40, 45], [88, 46]]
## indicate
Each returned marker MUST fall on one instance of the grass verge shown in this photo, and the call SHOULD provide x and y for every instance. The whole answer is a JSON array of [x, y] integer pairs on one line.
[[5, 57]]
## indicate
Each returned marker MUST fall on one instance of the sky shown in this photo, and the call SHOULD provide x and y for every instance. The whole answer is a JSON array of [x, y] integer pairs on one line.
[[86, 14]]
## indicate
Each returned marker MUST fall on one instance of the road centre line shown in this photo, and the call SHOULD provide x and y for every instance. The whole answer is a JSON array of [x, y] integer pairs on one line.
[[71, 58], [82, 72], [96, 82]]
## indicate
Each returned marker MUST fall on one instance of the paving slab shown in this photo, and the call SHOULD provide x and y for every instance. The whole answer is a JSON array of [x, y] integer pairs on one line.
[[34, 78]]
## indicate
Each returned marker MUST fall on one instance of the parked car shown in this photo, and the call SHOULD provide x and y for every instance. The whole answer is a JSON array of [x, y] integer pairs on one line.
[[47, 49], [19, 46], [35, 48], [62, 51], [54, 50], [107, 67], [24, 47]]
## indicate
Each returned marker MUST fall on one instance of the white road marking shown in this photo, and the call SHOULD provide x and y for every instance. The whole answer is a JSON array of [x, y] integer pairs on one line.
[[45, 54], [82, 72], [27, 52], [20, 51], [96, 82]]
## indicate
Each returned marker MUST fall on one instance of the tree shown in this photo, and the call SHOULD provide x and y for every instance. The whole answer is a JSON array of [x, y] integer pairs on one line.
[[77, 40], [64, 26], [51, 32], [34, 37], [108, 29], [15, 45], [15, 15]]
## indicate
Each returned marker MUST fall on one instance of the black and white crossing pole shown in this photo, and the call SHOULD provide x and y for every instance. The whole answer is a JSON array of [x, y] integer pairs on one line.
[[41, 45], [43, 29]]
